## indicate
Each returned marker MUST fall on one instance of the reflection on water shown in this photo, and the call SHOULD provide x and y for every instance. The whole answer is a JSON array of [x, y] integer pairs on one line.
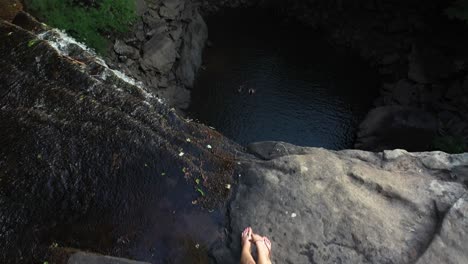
[[266, 79]]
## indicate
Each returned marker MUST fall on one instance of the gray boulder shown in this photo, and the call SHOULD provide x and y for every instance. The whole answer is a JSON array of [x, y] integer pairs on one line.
[[390, 127], [159, 53], [451, 238], [320, 206], [125, 50], [171, 8]]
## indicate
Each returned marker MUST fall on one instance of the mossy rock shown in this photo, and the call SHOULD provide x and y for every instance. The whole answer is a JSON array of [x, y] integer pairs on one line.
[[88, 21]]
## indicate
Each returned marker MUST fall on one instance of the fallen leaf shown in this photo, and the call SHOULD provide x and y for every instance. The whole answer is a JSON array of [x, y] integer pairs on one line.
[[32, 42], [201, 191]]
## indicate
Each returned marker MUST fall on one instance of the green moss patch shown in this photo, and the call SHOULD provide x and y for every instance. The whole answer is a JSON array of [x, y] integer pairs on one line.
[[87, 23]]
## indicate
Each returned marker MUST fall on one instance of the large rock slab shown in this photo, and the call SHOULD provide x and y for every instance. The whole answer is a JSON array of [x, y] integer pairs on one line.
[[389, 127], [452, 237], [320, 206], [159, 53]]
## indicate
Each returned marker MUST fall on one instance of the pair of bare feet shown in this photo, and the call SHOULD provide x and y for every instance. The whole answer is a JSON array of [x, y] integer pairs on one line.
[[263, 248]]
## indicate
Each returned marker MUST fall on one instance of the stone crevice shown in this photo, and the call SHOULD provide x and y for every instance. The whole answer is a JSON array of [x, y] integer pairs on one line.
[[377, 188]]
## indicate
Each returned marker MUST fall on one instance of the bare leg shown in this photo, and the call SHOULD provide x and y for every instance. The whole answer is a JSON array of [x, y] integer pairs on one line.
[[263, 248], [246, 255]]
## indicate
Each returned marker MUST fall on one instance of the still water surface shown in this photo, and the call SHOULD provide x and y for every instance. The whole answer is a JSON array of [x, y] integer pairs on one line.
[[305, 91]]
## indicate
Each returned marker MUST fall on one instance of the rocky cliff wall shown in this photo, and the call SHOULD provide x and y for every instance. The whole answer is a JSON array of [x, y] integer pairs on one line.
[[164, 49]]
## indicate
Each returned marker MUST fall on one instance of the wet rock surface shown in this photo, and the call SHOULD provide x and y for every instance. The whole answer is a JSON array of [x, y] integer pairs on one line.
[[86, 149], [320, 206]]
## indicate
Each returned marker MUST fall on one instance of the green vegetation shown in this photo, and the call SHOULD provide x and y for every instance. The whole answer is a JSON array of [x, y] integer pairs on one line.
[[32, 42], [450, 144], [459, 10], [87, 23]]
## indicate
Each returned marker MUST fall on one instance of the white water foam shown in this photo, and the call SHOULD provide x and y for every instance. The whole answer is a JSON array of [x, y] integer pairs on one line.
[[61, 42]]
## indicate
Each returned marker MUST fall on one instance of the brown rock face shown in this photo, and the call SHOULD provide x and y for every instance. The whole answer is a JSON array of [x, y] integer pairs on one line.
[[9, 9]]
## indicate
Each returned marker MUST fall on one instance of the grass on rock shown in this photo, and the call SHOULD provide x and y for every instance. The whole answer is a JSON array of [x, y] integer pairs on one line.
[[89, 24]]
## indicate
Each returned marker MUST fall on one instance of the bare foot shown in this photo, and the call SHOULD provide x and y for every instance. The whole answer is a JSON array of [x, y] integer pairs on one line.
[[246, 237], [246, 257], [263, 248]]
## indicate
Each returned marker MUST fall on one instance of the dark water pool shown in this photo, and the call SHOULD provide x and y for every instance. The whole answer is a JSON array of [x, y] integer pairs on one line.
[[306, 91]]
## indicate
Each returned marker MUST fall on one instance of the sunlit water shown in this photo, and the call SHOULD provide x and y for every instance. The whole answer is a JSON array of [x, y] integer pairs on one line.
[[306, 91]]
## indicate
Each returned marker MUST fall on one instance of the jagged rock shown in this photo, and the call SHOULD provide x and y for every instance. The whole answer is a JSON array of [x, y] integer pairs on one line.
[[178, 96], [176, 32], [427, 65], [141, 7], [191, 54], [125, 50], [446, 244], [388, 127], [320, 206], [171, 8], [140, 33], [151, 18], [159, 53], [158, 29]]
